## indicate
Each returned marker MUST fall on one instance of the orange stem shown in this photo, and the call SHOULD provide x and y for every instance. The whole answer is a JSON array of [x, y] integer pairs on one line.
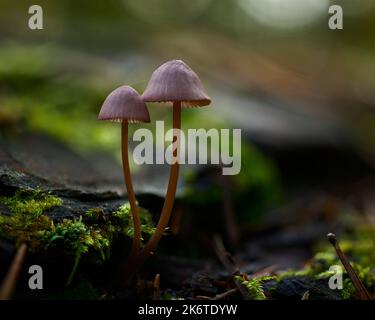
[[171, 191], [131, 196]]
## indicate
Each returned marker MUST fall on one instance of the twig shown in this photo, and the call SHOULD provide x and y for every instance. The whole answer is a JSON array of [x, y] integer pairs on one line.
[[363, 294], [267, 271], [225, 294], [10, 280], [203, 298], [227, 260], [219, 296], [224, 256], [156, 285], [243, 290], [306, 295]]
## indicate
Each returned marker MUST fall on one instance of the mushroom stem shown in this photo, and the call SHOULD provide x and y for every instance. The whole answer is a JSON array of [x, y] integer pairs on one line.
[[131, 196], [171, 191]]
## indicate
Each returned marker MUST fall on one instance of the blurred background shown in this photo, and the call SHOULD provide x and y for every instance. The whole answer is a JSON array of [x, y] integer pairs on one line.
[[302, 94]]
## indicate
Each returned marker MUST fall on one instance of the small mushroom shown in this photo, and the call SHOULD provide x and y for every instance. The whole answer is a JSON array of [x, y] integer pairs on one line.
[[177, 83], [125, 105]]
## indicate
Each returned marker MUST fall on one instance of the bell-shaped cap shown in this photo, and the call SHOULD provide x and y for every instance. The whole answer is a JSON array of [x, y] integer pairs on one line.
[[176, 81], [124, 104]]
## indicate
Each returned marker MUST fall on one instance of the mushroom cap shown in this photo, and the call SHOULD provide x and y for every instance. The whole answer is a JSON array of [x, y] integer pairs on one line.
[[124, 104], [176, 81]]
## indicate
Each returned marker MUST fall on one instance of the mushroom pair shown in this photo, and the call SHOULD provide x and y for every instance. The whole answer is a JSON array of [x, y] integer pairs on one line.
[[173, 82]]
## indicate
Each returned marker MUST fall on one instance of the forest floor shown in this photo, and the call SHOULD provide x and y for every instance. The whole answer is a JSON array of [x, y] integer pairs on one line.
[[72, 214]]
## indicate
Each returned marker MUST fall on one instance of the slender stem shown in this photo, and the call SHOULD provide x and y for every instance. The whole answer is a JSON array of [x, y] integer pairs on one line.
[[9, 283], [131, 196], [361, 289], [171, 191]]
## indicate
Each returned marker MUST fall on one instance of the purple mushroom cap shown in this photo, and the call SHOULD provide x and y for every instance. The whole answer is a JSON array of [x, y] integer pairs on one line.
[[124, 104], [176, 81]]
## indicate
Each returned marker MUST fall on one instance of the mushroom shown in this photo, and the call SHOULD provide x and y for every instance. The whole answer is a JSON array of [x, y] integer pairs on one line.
[[125, 105], [177, 83]]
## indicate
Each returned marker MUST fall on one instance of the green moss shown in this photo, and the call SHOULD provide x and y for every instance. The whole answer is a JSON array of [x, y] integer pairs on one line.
[[90, 235], [318, 267], [348, 291], [94, 215], [124, 215], [359, 248], [33, 202], [255, 286], [24, 229], [27, 220], [76, 239]]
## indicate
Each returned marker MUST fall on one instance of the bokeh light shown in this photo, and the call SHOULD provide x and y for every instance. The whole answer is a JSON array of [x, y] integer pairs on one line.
[[285, 13]]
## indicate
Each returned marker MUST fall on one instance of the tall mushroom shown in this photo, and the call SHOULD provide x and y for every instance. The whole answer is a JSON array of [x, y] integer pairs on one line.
[[177, 83], [125, 105]]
